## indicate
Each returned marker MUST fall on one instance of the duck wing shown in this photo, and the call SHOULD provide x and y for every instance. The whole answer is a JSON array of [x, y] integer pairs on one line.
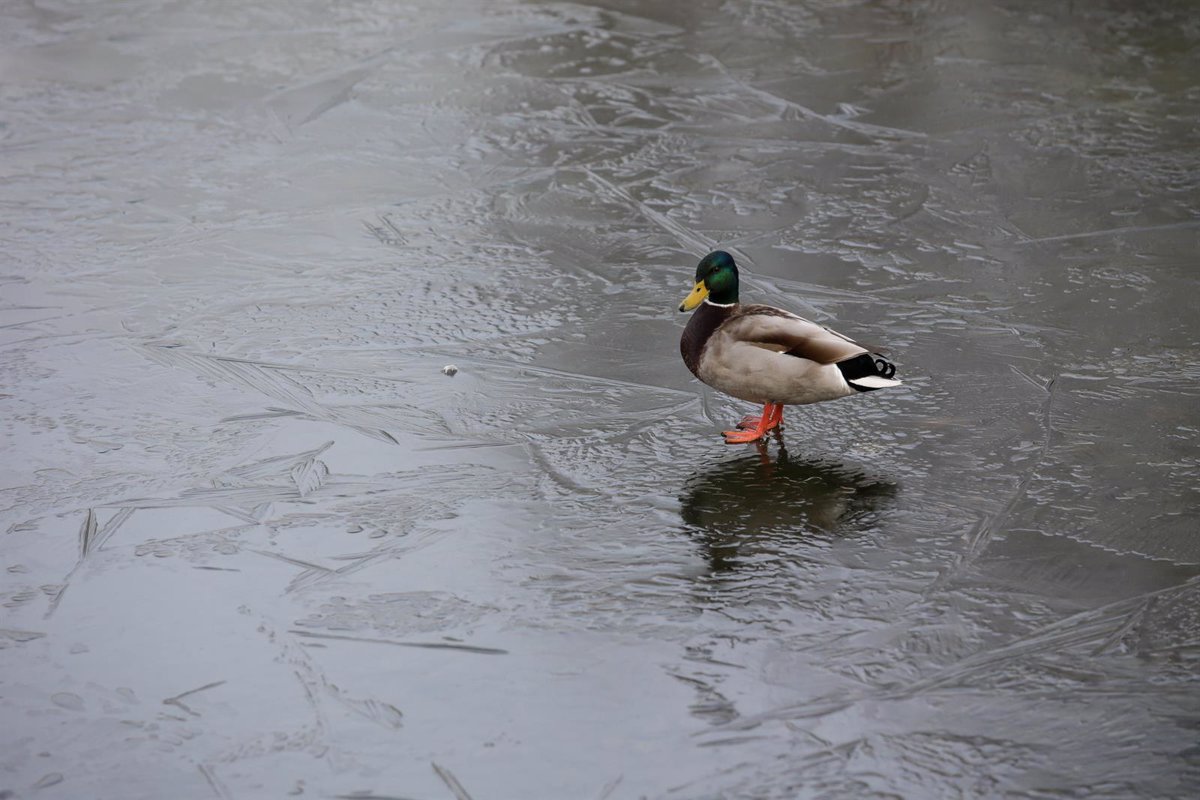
[[775, 329]]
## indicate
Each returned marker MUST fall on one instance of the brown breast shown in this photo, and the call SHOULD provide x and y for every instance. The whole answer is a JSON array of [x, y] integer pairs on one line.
[[705, 319]]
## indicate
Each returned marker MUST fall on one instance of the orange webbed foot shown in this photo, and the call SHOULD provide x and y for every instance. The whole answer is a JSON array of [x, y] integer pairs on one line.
[[741, 437], [753, 428]]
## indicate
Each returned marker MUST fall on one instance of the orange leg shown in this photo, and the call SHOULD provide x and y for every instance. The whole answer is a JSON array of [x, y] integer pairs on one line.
[[773, 421], [754, 428], [773, 412]]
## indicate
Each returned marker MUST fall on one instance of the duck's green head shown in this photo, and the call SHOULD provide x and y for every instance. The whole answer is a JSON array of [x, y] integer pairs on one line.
[[716, 280]]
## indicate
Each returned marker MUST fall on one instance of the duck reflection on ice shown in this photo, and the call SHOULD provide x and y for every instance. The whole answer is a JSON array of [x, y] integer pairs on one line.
[[755, 505]]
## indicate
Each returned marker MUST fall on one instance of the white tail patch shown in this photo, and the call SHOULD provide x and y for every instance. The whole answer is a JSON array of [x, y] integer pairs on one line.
[[874, 382]]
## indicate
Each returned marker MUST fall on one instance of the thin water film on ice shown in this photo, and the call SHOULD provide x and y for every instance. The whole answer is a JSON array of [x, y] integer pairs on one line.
[[257, 544]]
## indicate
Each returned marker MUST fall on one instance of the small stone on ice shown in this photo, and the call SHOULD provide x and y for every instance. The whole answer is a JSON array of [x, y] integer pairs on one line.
[[450, 370]]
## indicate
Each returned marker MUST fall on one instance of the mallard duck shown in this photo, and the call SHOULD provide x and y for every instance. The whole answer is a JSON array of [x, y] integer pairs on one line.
[[767, 355]]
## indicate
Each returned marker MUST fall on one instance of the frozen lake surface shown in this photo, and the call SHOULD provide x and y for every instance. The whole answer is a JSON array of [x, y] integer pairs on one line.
[[255, 544]]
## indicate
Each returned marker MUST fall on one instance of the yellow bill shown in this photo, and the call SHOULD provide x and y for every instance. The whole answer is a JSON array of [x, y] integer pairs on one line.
[[695, 297]]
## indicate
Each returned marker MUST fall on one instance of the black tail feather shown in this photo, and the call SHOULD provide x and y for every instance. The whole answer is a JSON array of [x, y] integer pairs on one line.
[[863, 365]]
